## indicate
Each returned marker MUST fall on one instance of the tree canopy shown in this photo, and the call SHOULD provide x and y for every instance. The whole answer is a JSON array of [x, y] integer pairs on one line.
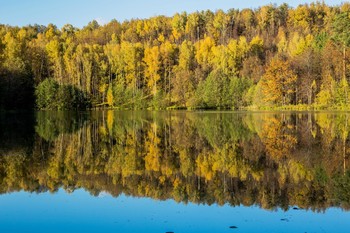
[[190, 60]]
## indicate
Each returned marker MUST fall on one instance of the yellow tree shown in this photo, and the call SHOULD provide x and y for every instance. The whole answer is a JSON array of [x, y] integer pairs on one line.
[[168, 54], [13, 52], [38, 57], [236, 51], [192, 26], [54, 51], [220, 23], [178, 25], [278, 83], [204, 54], [299, 18], [128, 63], [152, 60], [220, 58], [183, 82]]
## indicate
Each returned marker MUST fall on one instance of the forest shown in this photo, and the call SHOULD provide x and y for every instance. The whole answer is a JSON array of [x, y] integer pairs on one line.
[[269, 57], [265, 159]]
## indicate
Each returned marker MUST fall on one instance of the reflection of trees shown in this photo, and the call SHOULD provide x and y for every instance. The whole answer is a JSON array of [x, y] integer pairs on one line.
[[16, 130], [266, 159], [278, 135], [52, 123], [335, 142]]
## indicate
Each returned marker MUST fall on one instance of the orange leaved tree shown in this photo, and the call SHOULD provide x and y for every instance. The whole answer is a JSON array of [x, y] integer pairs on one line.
[[278, 83]]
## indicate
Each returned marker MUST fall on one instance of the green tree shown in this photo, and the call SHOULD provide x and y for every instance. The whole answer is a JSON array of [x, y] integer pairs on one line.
[[341, 30], [46, 94]]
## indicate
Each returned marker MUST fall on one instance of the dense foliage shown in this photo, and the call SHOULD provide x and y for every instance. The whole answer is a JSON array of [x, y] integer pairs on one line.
[[270, 56], [51, 95], [265, 159]]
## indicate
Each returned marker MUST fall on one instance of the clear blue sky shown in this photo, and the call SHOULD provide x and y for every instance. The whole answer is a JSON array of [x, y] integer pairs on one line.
[[80, 12]]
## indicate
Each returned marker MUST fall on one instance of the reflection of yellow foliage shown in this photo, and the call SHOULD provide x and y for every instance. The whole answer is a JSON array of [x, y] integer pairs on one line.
[[258, 175], [295, 172], [233, 171], [204, 166], [145, 160], [103, 130], [54, 168], [186, 165], [333, 126], [110, 120], [13, 171], [167, 170], [278, 137], [110, 96], [129, 167], [152, 158], [177, 182], [324, 121], [283, 175], [298, 172], [224, 160], [162, 179]]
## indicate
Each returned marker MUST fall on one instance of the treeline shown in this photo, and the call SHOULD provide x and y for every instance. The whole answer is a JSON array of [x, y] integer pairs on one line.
[[269, 160], [265, 57]]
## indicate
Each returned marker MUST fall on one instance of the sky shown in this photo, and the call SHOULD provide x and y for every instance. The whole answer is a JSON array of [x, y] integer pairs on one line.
[[80, 12]]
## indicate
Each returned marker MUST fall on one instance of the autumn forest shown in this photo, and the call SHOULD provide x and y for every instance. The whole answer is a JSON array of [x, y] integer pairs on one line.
[[269, 57]]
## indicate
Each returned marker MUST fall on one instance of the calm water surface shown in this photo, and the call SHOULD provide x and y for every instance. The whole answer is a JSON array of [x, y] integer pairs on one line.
[[120, 171]]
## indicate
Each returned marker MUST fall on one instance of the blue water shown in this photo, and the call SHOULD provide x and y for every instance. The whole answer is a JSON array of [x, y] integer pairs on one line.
[[81, 212]]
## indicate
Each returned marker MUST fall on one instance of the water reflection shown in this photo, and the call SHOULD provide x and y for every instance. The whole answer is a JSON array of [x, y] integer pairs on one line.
[[267, 159]]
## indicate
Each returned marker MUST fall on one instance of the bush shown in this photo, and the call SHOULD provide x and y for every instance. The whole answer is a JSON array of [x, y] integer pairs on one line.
[[46, 94], [50, 95]]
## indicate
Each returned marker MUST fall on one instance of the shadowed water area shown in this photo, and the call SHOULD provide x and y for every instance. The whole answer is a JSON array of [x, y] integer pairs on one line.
[[143, 171]]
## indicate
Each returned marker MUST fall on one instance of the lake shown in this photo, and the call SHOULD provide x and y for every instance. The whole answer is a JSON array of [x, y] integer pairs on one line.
[[175, 171]]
